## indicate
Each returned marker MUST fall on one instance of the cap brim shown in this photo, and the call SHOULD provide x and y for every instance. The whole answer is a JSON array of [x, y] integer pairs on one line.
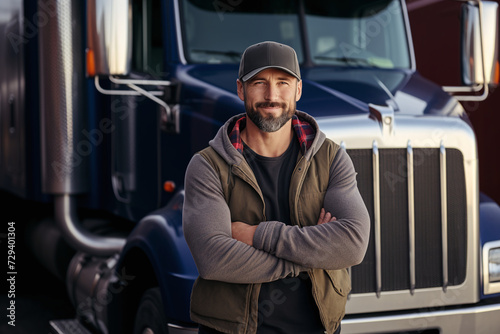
[[251, 74]]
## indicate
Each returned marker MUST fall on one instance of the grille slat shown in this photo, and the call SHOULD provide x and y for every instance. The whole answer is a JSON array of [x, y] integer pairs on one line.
[[444, 213], [411, 214], [437, 237], [376, 207]]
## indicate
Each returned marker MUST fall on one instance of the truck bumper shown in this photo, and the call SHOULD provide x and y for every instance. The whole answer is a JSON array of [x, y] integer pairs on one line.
[[474, 319]]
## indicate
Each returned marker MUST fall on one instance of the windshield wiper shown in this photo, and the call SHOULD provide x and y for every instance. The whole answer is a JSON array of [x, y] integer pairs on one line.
[[349, 60]]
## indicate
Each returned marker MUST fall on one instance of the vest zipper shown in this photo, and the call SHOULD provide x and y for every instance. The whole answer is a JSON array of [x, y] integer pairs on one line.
[[295, 200]]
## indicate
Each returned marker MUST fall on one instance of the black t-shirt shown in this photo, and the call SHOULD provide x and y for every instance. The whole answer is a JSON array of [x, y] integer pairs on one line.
[[286, 305]]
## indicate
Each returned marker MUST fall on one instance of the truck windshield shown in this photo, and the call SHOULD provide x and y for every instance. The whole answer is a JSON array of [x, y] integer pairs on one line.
[[349, 33]]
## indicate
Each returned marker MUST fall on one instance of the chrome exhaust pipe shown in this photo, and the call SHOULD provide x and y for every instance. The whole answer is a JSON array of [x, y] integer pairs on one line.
[[63, 113], [79, 238]]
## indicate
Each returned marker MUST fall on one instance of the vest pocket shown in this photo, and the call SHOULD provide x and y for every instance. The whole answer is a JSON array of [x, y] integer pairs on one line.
[[340, 280], [217, 300], [331, 290]]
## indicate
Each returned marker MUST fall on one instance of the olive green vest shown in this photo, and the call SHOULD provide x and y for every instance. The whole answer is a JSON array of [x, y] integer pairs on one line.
[[233, 308]]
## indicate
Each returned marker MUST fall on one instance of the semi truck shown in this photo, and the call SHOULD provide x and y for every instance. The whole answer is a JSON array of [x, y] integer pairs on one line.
[[104, 102]]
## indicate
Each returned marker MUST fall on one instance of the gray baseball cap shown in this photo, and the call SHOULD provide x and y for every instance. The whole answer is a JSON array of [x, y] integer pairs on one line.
[[265, 55]]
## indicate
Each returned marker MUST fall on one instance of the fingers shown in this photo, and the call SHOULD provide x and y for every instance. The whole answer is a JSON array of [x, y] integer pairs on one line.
[[321, 216], [325, 217]]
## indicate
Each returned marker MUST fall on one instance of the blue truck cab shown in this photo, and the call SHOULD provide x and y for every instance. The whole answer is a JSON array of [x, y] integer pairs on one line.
[[103, 104]]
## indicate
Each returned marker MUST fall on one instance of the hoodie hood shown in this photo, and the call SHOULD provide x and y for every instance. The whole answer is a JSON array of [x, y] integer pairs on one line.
[[222, 144]]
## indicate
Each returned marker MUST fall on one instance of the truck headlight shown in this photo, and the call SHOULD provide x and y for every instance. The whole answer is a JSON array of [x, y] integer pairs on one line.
[[491, 267], [494, 264]]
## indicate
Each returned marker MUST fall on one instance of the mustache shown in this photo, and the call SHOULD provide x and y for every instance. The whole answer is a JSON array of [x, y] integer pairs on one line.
[[270, 105]]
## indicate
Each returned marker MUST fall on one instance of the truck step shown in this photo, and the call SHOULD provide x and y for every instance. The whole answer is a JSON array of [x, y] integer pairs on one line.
[[68, 326]]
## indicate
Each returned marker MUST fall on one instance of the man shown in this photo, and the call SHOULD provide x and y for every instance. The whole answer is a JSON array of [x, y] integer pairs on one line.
[[258, 211]]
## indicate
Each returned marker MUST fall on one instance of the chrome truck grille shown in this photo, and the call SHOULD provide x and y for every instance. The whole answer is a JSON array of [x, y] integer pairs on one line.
[[418, 240], [418, 178]]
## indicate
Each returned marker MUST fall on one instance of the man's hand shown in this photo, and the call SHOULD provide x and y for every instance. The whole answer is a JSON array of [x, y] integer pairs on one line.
[[325, 217], [243, 232]]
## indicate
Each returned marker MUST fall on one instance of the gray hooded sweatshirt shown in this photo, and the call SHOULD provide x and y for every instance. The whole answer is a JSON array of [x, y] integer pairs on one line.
[[278, 250]]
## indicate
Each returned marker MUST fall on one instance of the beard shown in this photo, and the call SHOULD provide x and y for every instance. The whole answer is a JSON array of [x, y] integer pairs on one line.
[[270, 123]]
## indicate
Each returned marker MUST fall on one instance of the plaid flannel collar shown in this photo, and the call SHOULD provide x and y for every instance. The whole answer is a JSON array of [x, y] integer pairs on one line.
[[304, 131]]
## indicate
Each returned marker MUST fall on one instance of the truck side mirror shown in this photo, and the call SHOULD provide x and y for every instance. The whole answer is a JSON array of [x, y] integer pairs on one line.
[[109, 37], [479, 56]]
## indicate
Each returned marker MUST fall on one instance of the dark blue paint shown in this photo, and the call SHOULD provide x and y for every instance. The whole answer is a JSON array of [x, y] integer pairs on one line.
[[159, 235], [489, 218]]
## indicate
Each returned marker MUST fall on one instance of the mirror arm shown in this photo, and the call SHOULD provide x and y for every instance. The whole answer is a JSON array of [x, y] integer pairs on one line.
[[170, 117], [459, 89], [146, 82], [476, 88], [120, 92], [154, 98]]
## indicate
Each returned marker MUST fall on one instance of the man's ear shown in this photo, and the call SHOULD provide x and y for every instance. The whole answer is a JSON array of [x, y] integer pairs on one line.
[[239, 86], [299, 90]]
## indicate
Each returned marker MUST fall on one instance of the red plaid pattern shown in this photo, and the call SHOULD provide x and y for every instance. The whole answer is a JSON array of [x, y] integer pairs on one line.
[[304, 131]]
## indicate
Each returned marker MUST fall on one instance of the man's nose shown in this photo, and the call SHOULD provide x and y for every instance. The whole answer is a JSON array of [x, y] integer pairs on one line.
[[271, 93]]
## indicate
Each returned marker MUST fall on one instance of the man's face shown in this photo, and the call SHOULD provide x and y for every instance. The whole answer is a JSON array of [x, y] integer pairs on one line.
[[270, 98]]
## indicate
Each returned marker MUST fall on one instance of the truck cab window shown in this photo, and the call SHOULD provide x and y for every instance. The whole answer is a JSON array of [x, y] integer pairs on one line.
[[219, 31], [358, 33], [355, 33], [147, 48]]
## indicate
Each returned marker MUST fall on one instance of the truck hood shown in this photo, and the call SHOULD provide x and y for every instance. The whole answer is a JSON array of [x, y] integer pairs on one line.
[[338, 91]]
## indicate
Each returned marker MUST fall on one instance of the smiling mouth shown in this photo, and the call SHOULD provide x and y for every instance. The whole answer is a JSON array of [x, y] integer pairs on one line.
[[270, 105]]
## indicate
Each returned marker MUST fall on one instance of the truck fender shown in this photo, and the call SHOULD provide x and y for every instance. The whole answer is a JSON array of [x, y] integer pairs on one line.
[[489, 218], [155, 254]]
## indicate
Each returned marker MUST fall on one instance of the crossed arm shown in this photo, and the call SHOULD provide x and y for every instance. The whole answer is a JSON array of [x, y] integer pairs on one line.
[[278, 250], [245, 233]]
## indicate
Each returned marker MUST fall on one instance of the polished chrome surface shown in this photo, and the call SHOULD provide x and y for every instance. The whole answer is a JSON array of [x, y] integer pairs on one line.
[[480, 20], [490, 22], [121, 92], [87, 279], [77, 236], [178, 31], [424, 132], [489, 287], [65, 149], [411, 214], [444, 213], [176, 329], [435, 318], [376, 205], [120, 81], [479, 51], [384, 115], [109, 35]]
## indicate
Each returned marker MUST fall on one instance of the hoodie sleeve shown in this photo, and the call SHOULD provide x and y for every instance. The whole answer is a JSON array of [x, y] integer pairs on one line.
[[207, 229], [335, 245]]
